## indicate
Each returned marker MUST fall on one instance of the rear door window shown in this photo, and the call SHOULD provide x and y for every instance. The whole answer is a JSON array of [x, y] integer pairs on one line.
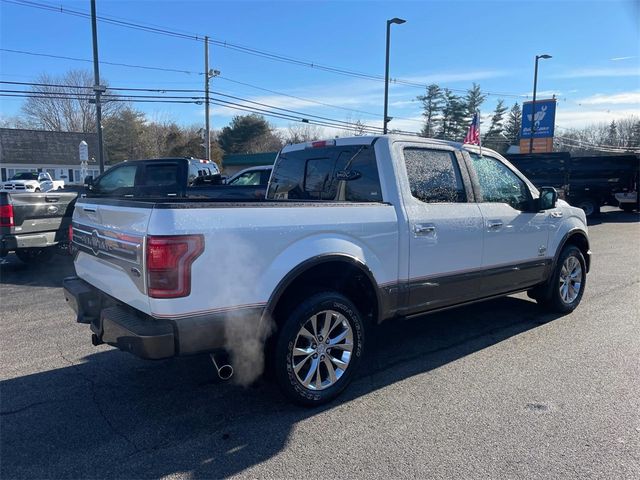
[[434, 175], [346, 173]]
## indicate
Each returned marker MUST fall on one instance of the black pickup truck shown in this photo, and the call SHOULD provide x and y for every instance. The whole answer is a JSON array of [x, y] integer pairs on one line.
[[34, 225], [168, 177], [588, 182]]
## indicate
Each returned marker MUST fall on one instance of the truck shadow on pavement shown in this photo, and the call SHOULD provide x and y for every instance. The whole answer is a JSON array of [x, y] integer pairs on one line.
[[113, 415], [46, 274], [614, 216]]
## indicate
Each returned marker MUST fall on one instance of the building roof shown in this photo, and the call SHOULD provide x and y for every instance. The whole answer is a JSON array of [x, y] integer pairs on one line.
[[42, 148], [249, 159]]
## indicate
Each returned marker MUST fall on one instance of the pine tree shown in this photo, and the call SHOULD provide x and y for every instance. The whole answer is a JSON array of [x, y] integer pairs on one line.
[[512, 127], [473, 100], [432, 106], [493, 137], [453, 116]]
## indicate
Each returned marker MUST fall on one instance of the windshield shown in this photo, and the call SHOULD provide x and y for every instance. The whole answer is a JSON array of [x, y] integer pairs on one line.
[[25, 176]]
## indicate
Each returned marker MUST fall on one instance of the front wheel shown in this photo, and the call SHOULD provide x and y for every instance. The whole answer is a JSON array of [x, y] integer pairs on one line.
[[318, 348], [567, 282]]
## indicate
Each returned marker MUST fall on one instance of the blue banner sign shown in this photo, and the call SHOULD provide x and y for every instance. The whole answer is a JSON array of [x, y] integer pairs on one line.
[[545, 119]]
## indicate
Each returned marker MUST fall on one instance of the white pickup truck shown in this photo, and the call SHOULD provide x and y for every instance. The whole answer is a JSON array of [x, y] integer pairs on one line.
[[352, 232], [32, 182]]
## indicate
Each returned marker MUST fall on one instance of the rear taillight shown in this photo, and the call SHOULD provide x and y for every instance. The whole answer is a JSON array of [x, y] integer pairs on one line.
[[70, 239], [169, 260], [6, 216]]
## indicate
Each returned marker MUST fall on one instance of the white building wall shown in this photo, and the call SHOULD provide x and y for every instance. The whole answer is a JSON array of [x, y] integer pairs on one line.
[[58, 172]]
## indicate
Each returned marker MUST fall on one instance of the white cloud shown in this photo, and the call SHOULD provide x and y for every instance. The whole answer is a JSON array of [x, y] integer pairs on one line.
[[617, 59], [451, 77], [599, 72], [583, 117], [624, 98]]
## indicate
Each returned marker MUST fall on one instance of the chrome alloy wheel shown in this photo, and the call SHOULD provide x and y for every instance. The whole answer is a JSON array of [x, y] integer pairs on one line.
[[570, 279], [322, 350]]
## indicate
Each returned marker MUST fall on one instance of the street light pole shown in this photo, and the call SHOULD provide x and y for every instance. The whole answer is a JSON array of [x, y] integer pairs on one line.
[[385, 120], [533, 103]]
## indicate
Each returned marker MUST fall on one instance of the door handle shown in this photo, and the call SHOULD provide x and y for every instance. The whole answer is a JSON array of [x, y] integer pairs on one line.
[[424, 228], [89, 209], [494, 225]]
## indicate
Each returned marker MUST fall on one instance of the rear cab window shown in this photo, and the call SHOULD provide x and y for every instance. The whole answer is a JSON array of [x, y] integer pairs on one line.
[[336, 173]]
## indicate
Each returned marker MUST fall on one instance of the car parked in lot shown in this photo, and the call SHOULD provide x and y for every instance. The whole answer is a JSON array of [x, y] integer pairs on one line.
[[32, 182], [33, 225], [352, 232]]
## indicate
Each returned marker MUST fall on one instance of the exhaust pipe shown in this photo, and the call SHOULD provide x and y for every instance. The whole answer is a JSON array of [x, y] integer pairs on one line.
[[224, 370]]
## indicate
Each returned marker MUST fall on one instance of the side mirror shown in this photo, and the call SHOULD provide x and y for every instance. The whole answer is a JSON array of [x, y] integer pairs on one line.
[[88, 180], [548, 198]]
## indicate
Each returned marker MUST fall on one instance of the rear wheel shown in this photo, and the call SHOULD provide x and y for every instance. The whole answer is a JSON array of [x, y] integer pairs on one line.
[[567, 283], [318, 349], [34, 255]]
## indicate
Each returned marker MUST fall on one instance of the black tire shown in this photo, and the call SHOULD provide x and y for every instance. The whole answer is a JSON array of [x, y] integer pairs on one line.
[[552, 298], [34, 256], [590, 206], [627, 207], [287, 378]]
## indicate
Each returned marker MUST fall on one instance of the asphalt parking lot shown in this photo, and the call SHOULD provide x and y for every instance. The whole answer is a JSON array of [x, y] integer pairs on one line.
[[495, 390]]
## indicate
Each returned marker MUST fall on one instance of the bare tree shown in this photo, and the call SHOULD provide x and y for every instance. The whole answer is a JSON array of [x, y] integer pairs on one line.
[[303, 132], [65, 106], [355, 127]]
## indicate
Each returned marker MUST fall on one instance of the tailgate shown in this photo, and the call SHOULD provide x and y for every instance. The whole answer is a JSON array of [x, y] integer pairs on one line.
[[41, 212], [110, 238]]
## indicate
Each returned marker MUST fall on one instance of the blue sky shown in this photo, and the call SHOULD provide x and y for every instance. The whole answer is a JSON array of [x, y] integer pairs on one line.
[[595, 69]]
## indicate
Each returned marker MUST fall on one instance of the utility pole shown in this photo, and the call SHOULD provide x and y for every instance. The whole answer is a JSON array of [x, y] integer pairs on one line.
[[207, 132], [97, 88]]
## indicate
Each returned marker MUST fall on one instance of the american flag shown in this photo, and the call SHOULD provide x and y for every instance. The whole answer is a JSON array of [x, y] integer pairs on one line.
[[473, 135]]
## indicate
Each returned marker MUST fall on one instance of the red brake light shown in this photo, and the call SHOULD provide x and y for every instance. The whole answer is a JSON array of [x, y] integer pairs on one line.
[[323, 143], [169, 260], [6, 216]]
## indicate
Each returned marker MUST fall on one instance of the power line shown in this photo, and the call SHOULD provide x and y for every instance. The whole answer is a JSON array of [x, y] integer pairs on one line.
[[268, 110], [241, 48], [75, 59], [79, 87]]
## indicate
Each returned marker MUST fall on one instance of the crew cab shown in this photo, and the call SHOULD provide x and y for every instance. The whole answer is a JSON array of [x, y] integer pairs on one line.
[[32, 182], [353, 232]]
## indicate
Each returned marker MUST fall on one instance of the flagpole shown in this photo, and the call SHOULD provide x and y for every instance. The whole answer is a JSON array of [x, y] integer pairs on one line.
[[479, 133]]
